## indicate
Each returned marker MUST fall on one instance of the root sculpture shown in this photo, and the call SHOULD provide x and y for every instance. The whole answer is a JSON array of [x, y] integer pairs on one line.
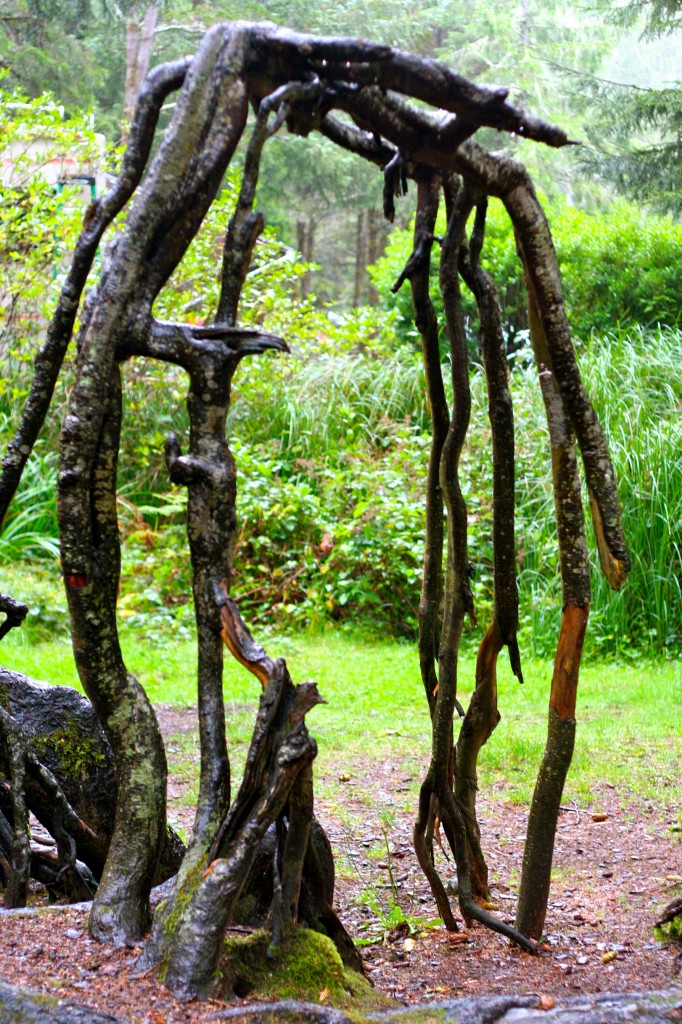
[[361, 96]]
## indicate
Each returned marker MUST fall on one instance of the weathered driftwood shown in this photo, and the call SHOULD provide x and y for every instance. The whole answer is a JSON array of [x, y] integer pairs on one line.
[[298, 80], [20, 1004], [276, 789], [621, 1008], [63, 735]]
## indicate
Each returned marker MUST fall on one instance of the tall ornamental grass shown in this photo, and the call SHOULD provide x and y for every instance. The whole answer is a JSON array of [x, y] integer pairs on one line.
[[332, 454]]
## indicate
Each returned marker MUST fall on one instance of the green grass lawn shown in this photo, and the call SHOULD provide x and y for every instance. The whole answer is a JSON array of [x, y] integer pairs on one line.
[[629, 716]]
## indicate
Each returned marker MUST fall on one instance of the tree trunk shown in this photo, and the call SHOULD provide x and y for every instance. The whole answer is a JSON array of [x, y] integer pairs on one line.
[[139, 42], [575, 580], [360, 258], [373, 251]]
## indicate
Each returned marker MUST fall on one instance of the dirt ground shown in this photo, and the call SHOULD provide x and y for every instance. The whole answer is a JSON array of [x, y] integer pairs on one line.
[[616, 864]]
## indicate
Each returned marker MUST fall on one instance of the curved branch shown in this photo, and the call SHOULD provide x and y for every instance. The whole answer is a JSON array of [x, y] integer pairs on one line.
[[437, 84], [501, 415], [246, 225], [418, 271], [15, 613], [542, 271], [368, 145]]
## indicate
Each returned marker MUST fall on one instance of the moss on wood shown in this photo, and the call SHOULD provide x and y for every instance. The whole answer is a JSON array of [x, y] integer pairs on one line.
[[307, 966], [78, 755]]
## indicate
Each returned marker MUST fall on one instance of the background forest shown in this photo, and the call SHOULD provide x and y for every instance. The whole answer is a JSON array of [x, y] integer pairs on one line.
[[331, 442]]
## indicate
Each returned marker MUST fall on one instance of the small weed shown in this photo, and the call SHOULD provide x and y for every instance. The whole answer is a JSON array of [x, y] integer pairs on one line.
[[388, 910]]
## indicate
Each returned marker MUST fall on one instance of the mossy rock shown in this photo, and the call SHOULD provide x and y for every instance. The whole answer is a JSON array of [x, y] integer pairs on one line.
[[306, 966]]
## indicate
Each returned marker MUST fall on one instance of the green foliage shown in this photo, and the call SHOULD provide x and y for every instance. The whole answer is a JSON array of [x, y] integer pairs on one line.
[[636, 141], [30, 528], [41, 48], [339, 543], [636, 135], [331, 455], [620, 267], [660, 16], [329, 502], [389, 908], [39, 224]]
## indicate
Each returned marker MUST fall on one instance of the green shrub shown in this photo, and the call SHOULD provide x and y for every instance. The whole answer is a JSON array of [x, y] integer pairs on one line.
[[621, 267], [330, 500]]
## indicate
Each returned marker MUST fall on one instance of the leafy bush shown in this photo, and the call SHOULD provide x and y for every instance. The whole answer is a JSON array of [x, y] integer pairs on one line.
[[330, 502], [621, 267], [38, 227]]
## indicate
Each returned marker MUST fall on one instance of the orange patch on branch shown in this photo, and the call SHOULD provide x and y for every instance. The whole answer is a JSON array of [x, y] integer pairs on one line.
[[76, 580], [567, 662], [211, 867], [489, 648]]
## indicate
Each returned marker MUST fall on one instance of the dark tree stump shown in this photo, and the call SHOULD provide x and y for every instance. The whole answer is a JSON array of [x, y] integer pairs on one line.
[[62, 731]]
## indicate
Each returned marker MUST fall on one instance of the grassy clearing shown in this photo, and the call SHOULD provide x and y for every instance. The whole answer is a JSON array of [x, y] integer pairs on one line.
[[629, 716]]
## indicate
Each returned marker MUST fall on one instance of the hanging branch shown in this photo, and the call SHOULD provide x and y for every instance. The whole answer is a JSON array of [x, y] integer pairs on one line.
[[245, 224], [543, 276], [501, 416], [458, 601], [418, 270], [157, 86], [458, 595], [482, 714], [417, 139]]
